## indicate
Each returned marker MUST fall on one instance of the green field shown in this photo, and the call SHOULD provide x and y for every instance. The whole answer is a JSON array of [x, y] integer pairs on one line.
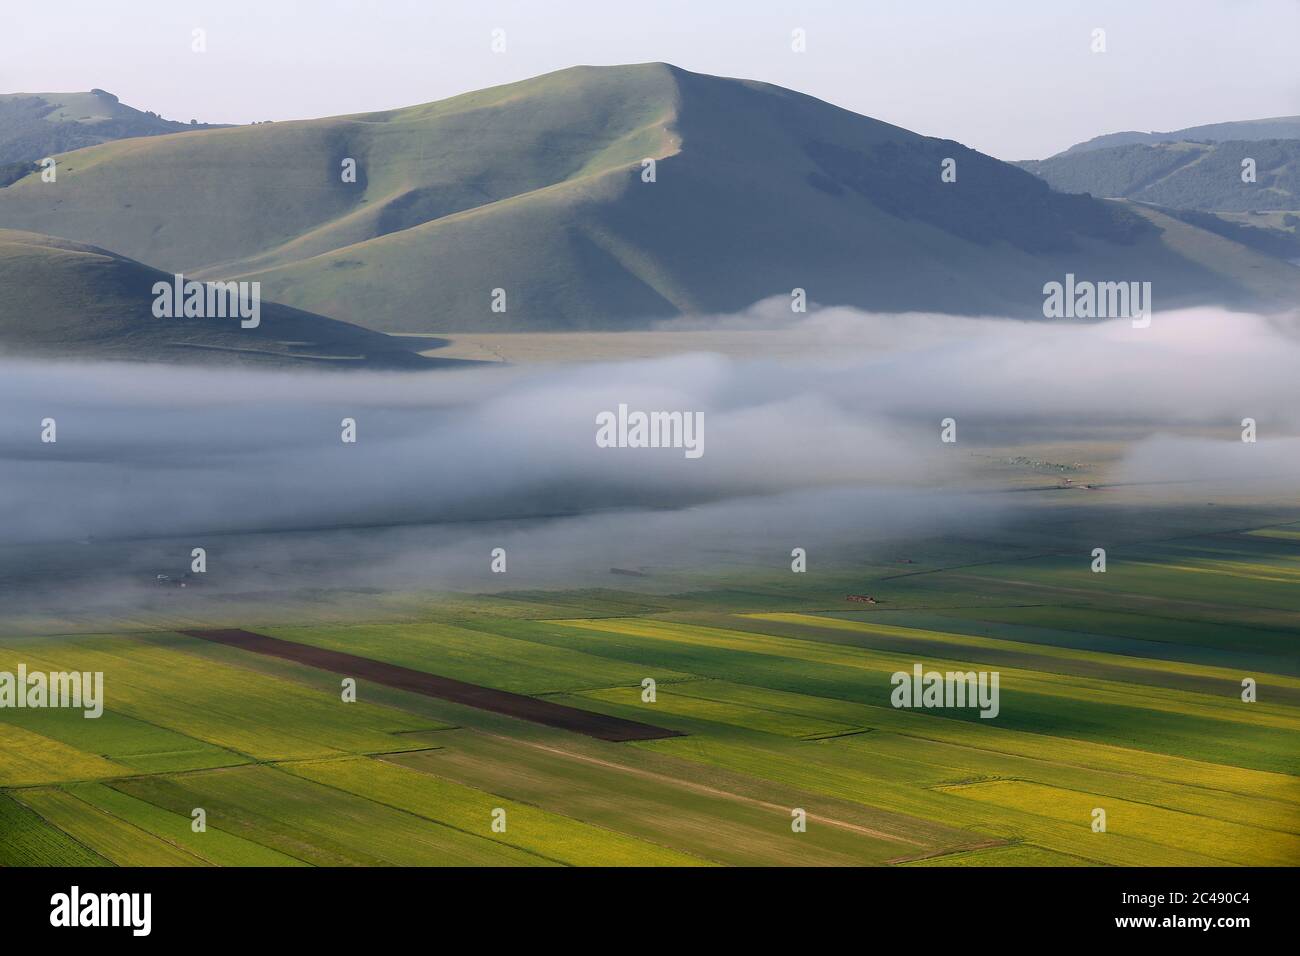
[[1119, 691]]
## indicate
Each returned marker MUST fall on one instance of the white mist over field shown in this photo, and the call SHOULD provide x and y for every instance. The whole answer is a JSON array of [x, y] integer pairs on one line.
[[839, 442]]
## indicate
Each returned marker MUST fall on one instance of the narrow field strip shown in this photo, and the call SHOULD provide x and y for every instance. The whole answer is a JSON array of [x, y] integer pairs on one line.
[[444, 688], [712, 791], [1230, 842], [1118, 661], [556, 837], [116, 840]]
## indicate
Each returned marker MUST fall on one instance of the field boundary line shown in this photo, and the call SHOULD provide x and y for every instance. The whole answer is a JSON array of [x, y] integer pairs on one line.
[[962, 785], [541, 809], [704, 788], [8, 794], [113, 816], [412, 813]]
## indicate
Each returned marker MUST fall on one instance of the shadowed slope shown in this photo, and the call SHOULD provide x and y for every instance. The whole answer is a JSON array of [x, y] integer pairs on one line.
[[68, 300]]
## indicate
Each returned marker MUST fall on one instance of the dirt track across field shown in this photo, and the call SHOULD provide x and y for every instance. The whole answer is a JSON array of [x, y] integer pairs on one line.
[[579, 721]]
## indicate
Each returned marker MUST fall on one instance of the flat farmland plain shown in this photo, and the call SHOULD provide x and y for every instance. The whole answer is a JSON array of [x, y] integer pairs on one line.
[[1119, 692]]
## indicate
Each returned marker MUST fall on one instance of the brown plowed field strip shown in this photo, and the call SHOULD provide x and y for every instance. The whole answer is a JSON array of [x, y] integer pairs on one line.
[[579, 721]]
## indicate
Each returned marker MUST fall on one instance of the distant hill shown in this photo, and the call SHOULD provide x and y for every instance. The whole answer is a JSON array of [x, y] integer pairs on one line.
[[1279, 127], [1223, 252], [1183, 175], [537, 189], [68, 300], [36, 125]]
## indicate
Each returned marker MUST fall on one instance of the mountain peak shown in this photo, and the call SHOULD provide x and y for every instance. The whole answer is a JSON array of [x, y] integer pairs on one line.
[[596, 197], [36, 125]]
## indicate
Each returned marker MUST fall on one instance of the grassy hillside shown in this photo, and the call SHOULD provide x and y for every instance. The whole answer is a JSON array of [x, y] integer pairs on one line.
[[1277, 127], [1229, 255], [1183, 175], [536, 188], [36, 125], [69, 300]]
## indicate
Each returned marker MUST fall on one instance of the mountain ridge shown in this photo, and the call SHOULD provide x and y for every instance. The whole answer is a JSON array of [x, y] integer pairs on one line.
[[1275, 127], [539, 189]]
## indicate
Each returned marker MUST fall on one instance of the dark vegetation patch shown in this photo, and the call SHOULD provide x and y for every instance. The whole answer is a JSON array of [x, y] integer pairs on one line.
[[545, 712], [989, 201]]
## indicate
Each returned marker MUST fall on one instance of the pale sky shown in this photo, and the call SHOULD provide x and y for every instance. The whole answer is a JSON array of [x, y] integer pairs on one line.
[[1014, 78]]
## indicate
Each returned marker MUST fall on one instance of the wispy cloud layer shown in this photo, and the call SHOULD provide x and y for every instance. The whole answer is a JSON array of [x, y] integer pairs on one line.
[[841, 439]]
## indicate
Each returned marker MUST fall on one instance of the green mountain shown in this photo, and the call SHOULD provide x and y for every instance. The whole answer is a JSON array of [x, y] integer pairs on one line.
[[1183, 175], [68, 300], [1279, 127], [537, 189], [36, 125]]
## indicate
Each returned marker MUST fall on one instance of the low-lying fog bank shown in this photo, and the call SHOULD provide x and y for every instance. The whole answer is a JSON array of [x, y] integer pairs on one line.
[[839, 444]]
